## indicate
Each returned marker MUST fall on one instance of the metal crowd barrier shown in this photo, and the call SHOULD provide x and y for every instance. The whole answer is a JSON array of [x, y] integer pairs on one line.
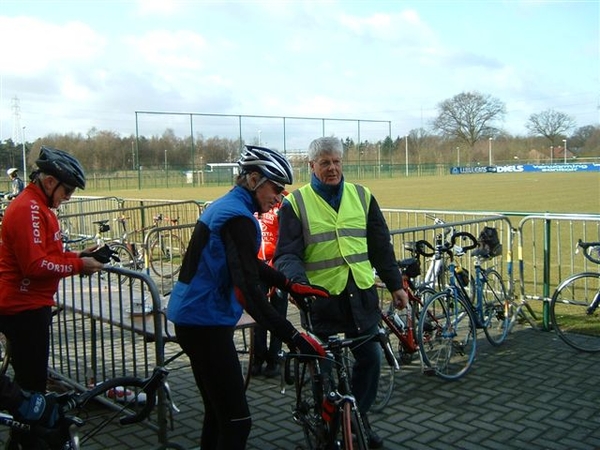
[[548, 253], [109, 325], [411, 225]]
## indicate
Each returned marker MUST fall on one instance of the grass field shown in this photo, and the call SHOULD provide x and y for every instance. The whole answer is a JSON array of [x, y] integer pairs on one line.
[[523, 192]]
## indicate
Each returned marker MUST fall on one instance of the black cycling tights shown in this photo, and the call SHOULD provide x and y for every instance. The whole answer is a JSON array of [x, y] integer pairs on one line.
[[29, 335], [218, 374]]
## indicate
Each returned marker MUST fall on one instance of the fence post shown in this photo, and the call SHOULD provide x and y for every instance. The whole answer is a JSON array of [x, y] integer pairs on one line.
[[546, 290]]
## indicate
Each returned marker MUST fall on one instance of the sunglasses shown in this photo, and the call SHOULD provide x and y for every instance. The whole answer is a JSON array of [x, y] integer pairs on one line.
[[68, 189], [279, 188]]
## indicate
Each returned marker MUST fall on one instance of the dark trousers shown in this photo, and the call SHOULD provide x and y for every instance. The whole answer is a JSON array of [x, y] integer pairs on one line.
[[28, 334], [218, 375], [365, 371], [268, 352]]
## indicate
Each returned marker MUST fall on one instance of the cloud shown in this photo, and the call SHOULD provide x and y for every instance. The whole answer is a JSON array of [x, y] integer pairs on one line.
[[40, 46]]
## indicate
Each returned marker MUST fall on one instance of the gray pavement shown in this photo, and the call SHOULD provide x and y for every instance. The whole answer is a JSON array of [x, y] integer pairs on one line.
[[534, 392]]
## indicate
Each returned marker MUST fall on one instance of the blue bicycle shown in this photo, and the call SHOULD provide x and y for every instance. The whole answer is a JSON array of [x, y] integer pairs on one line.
[[448, 344]]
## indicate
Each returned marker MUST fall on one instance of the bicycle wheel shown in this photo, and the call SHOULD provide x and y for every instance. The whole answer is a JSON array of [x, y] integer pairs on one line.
[[166, 255], [387, 375], [447, 335], [243, 337], [353, 431], [307, 411], [4, 354], [126, 259], [574, 311], [496, 307]]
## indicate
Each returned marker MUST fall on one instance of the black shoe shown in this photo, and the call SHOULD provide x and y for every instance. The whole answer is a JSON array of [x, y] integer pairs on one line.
[[272, 371], [256, 369], [374, 440]]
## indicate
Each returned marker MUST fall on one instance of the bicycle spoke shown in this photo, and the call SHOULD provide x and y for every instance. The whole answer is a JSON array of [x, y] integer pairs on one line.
[[496, 307], [447, 336], [575, 311]]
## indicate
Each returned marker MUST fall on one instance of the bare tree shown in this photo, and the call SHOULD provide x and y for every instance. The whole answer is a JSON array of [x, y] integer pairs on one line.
[[469, 117], [551, 124]]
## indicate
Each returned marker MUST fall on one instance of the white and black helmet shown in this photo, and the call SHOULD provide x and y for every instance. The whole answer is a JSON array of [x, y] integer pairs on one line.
[[272, 164]]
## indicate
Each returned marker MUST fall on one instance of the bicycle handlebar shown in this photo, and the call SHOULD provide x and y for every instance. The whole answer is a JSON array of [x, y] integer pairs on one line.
[[467, 235], [335, 345], [588, 248], [424, 248]]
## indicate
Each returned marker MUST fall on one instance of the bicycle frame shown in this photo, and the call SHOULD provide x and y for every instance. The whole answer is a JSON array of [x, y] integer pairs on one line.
[[329, 415]]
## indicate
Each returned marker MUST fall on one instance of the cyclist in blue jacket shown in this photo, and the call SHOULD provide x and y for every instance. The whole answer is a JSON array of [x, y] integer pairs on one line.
[[220, 276]]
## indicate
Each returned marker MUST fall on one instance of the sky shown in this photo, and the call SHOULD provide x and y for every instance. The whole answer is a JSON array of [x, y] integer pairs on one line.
[[71, 66]]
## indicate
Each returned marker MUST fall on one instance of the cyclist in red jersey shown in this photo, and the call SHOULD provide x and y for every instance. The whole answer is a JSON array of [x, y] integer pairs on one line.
[[267, 350], [32, 262]]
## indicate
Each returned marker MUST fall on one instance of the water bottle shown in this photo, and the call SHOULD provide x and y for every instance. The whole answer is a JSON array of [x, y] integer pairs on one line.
[[398, 321]]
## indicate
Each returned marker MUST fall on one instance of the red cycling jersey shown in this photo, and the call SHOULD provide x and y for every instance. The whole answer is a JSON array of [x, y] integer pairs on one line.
[[269, 224], [32, 259]]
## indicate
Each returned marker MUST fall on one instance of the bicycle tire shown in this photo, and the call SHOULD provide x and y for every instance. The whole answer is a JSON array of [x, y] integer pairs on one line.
[[353, 430], [306, 411], [126, 259], [166, 255], [574, 312], [496, 307], [447, 335], [387, 376], [244, 345]]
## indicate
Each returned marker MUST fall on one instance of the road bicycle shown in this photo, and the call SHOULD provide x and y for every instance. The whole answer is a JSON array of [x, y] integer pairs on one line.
[[324, 405], [142, 395], [164, 257], [400, 326], [122, 254], [574, 305], [165, 248], [448, 344]]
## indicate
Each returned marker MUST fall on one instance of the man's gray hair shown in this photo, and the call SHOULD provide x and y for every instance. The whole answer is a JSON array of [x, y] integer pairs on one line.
[[325, 146]]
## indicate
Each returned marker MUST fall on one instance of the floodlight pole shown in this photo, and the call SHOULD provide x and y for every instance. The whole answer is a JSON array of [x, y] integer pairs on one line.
[[406, 152], [24, 155]]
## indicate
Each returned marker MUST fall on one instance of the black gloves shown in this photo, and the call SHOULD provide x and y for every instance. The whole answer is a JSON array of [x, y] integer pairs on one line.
[[104, 254], [300, 292], [38, 409], [307, 345]]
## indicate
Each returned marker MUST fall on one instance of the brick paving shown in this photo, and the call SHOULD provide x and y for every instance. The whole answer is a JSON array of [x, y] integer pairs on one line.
[[534, 392]]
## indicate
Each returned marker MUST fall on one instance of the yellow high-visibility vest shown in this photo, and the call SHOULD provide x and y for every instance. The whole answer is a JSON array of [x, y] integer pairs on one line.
[[335, 242]]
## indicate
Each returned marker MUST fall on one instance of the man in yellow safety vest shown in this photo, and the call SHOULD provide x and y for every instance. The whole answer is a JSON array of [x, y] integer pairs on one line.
[[332, 233]]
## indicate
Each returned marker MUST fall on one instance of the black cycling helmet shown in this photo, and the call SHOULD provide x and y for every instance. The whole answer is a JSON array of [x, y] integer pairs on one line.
[[61, 165], [272, 164]]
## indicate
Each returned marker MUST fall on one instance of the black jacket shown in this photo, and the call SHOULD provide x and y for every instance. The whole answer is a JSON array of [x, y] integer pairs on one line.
[[354, 310]]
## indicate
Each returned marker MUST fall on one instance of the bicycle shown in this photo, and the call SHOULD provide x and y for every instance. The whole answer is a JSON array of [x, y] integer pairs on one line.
[[399, 326], [122, 254], [67, 434], [324, 406], [165, 248], [448, 344], [574, 305]]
